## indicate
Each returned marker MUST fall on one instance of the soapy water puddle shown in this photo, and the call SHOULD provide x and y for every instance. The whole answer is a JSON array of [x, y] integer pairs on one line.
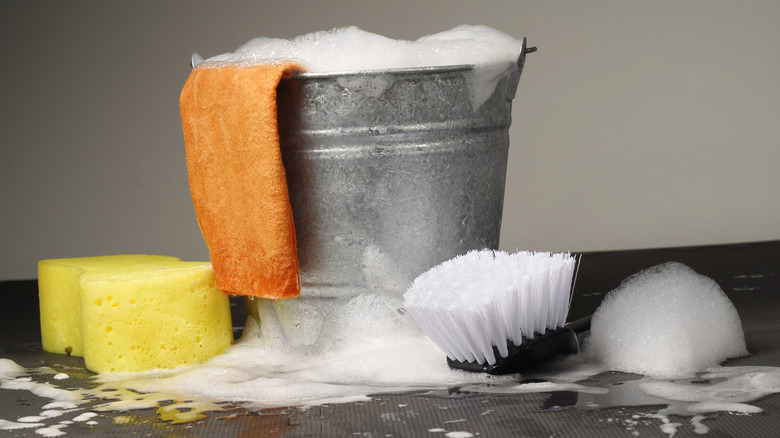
[[694, 400], [670, 404], [269, 368]]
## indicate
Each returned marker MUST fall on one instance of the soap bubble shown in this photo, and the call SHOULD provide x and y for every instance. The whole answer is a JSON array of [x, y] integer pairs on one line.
[[666, 321]]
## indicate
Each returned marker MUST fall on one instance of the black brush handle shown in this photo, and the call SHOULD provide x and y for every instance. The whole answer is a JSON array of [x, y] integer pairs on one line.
[[526, 355], [531, 351], [579, 325]]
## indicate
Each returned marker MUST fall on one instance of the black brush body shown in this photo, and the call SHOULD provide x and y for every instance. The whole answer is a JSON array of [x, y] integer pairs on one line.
[[531, 351]]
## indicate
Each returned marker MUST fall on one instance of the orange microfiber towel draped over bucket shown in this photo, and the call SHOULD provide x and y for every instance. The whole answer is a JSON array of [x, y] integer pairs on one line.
[[237, 179]]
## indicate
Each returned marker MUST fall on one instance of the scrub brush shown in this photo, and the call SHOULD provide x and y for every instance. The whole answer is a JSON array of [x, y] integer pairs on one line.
[[496, 312]]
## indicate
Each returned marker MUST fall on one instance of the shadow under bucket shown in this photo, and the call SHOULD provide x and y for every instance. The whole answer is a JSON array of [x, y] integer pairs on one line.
[[392, 172]]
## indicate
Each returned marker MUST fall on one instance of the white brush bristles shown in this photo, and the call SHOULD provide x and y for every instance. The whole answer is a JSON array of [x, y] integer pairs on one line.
[[481, 299]]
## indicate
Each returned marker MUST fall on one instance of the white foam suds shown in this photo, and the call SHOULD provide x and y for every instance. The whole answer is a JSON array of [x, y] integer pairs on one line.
[[459, 434], [741, 386], [66, 405], [44, 390], [86, 416], [666, 321], [51, 431], [365, 346], [54, 416], [349, 49], [381, 271], [15, 425], [10, 369], [698, 426]]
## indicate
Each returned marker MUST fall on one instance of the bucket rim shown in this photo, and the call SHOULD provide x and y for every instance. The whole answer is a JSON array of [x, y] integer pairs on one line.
[[302, 75]]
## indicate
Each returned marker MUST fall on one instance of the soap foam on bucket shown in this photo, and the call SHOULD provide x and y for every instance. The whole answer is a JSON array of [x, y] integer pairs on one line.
[[350, 49]]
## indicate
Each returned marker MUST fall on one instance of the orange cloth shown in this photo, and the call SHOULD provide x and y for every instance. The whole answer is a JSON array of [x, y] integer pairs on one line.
[[237, 179]]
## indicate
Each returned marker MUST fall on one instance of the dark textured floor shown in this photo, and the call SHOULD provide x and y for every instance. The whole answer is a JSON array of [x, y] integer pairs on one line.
[[748, 273]]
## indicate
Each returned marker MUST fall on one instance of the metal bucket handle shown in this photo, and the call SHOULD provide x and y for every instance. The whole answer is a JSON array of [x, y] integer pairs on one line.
[[514, 79], [521, 59]]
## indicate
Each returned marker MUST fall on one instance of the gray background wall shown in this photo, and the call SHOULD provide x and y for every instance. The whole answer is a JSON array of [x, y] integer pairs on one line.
[[636, 124]]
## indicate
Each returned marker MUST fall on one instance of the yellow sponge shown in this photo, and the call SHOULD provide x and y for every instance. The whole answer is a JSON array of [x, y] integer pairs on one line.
[[137, 313], [153, 318], [58, 294]]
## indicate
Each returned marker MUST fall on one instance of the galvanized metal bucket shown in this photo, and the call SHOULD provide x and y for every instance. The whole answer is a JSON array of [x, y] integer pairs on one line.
[[392, 172]]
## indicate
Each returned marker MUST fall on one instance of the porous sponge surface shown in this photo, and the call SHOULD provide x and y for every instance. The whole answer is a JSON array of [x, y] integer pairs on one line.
[[153, 317], [58, 294]]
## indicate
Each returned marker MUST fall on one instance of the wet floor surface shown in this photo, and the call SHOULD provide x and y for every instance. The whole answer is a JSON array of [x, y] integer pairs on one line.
[[615, 406]]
